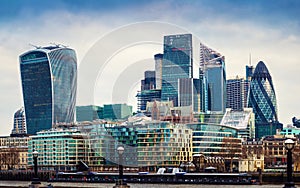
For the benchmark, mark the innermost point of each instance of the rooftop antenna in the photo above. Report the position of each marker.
(58, 45)
(53, 43)
(37, 47)
(64, 46)
(250, 59)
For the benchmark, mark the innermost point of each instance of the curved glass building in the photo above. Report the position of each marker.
(49, 83)
(262, 99)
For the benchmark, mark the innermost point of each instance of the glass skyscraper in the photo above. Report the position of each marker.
(49, 83)
(212, 64)
(262, 99)
(189, 93)
(177, 63)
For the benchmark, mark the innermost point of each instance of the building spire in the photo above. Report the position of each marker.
(250, 59)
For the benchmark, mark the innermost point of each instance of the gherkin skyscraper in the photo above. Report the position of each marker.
(262, 99)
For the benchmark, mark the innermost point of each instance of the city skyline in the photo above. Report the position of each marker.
(248, 28)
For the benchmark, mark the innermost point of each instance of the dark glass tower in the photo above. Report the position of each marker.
(262, 99)
(49, 83)
(177, 63)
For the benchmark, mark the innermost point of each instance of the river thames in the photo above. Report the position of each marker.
(101, 185)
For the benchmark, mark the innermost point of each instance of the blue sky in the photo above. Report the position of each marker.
(248, 9)
(269, 30)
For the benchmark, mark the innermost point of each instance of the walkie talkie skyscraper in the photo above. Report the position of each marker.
(49, 83)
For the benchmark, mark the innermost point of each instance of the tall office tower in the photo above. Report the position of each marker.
(148, 92)
(236, 98)
(19, 123)
(249, 72)
(212, 64)
(49, 83)
(149, 81)
(262, 99)
(189, 93)
(177, 63)
(203, 91)
(158, 69)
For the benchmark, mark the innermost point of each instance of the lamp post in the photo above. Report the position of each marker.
(120, 150)
(289, 145)
(120, 183)
(35, 181)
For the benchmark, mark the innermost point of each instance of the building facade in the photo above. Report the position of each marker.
(147, 96)
(177, 63)
(148, 92)
(158, 70)
(19, 123)
(236, 94)
(252, 158)
(59, 149)
(212, 64)
(274, 151)
(147, 144)
(89, 113)
(49, 83)
(290, 131)
(101, 143)
(262, 99)
(116, 111)
(163, 144)
(243, 121)
(203, 92)
(189, 93)
(249, 72)
(13, 153)
(149, 81)
(217, 140)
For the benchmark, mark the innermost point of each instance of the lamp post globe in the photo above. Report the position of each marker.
(120, 183)
(35, 180)
(289, 145)
(120, 150)
(35, 154)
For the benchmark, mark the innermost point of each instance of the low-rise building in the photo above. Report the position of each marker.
(89, 113)
(242, 120)
(215, 140)
(163, 144)
(290, 131)
(116, 111)
(13, 152)
(59, 149)
(251, 164)
(274, 150)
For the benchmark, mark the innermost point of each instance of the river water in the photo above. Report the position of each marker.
(101, 185)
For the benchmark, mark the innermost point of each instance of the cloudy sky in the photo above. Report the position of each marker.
(115, 42)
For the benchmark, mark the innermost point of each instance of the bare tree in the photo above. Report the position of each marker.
(9, 157)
